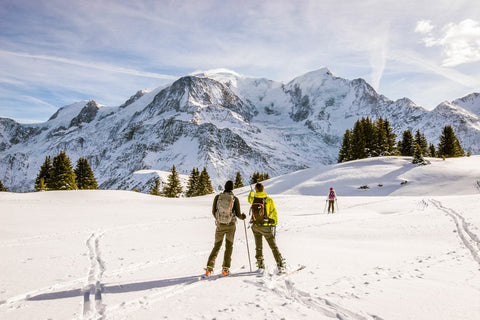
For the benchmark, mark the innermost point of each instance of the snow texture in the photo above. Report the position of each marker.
(397, 250)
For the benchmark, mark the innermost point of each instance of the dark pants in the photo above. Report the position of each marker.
(331, 204)
(227, 231)
(259, 232)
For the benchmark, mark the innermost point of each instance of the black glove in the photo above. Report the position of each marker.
(243, 216)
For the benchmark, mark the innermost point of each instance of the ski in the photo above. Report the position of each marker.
(288, 273)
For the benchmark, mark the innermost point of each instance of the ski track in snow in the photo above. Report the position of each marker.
(154, 296)
(91, 282)
(95, 274)
(284, 287)
(470, 239)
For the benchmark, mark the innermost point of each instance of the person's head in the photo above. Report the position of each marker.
(229, 185)
(259, 187)
(331, 189)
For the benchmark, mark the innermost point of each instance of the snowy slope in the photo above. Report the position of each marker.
(410, 256)
(470, 102)
(222, 121)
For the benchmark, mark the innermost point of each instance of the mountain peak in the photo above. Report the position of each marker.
(217, 74)
(470, 102)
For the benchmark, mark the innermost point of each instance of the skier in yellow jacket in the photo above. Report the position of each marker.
(264, 220)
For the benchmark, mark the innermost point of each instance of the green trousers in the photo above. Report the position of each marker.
(331, 205)
(227, 231)
(259, 232)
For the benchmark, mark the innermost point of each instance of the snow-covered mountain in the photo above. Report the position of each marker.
(222, 121)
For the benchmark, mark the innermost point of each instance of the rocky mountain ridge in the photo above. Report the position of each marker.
(222, 121)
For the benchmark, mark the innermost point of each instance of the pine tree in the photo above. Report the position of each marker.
(259, 177)
(238, 181)
(391, 138)
(432, 150)
(62, 176)
(155, 188)
(449, 145)
(204, 183)
(422, 142)
(358, 142)
(345, 153)
(369, 136)
(43, 177)
(173, 188)
(407, 146)
(2, 187)
(418, 155)
(255, 177)
(42, 186)
(192, 187)
(84, 176)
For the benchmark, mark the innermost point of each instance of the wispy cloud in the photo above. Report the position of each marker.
(60, 51)
(98, 66)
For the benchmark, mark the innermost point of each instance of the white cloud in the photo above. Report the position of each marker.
(460, 43)
(424, 26)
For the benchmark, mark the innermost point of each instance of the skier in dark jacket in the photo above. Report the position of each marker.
(226, 230)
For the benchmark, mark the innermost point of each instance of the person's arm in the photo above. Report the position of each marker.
(214, 206)
(236, 208)
(251, 196)
(271, 210)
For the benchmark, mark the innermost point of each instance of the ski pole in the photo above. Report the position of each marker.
(325, 209)
(336, 201)
(248, 250)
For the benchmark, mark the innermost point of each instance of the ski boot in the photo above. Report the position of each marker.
(260, 264)
(225, 271)
(281, 266)
(208, 272)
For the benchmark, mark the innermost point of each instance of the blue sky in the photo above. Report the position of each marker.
(56, 52)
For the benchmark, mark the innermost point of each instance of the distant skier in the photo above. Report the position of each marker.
(264, 221)
(332, 196)
(225, 209)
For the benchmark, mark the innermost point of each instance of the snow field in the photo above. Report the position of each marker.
(378, 257)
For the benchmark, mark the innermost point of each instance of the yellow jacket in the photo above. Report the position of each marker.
(269, 206)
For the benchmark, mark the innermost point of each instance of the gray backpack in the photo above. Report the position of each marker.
(224, 213)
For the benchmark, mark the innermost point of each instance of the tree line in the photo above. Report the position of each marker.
(199, 183)
(370, 138)
(59, 174)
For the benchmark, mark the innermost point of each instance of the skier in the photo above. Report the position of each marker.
(264, 221)
(225, 209)
(331, 198)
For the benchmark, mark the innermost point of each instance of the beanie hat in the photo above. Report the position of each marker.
(331, 188)
(229, 185)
